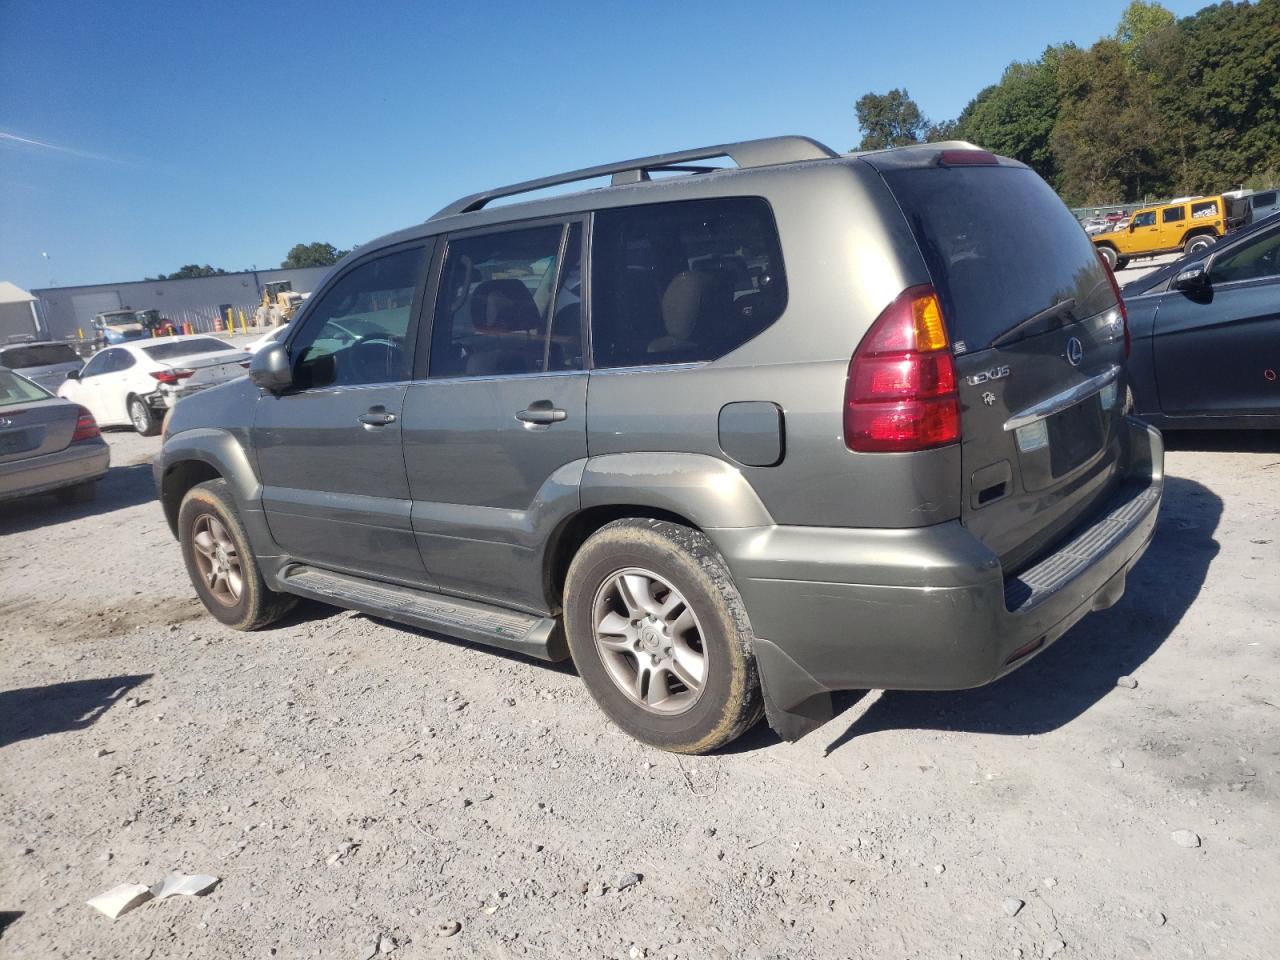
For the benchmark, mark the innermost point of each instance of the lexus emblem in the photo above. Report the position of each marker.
(1075, 351)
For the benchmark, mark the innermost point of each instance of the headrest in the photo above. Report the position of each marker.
(501, 306)
(692, 296)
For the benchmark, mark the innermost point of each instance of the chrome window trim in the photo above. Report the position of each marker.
(1060, 401)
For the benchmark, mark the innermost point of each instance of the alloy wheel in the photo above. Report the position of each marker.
(217, 559)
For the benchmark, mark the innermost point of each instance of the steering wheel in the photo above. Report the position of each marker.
(374, 358)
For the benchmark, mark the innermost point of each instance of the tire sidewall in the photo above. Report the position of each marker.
(149, 422)
(211, 498)
(727, 661)
(1109, 255)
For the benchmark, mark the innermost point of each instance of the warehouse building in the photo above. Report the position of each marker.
(18, 317)
(201, 302)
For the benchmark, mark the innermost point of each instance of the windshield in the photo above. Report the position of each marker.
(37, 355)
(118, 319)
(184, 348)
(15, 389)
(1000, 247)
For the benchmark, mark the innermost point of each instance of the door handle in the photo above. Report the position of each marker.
(377, 418)
(542, 413)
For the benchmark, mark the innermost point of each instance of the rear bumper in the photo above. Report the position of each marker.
(929, 608)
(87, 460)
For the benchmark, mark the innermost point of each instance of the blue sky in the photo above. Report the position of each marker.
(224, 133)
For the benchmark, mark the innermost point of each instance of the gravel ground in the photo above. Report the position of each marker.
(360, 787)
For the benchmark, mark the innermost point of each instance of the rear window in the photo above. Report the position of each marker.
(684, 281)
(38, 355)
(15, 389)
(1000, 247)
(185, 348)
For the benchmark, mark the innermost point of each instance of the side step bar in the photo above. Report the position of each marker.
(534, 636)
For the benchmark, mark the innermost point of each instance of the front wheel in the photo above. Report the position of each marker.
(220, 562)
(660, 637)
(143, 418)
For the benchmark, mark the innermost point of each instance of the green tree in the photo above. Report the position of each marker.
(1139, 21)
(313, 255)
(190, 271)
(890, 119)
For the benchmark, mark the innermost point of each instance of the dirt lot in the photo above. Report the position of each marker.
(356, 784)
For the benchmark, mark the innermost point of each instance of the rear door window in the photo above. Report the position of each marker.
(1174, 214)
(37, 355)
(1001, 248)
(683, 282)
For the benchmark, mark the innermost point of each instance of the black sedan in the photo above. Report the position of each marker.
(47, 445)
(1206, 335)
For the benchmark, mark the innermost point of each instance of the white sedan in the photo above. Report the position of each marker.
(133, 384)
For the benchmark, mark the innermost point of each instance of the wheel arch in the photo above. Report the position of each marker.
(195, 456)
(1199, 232)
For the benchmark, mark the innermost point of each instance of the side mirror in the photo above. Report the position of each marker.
(73, 374)
(1132, 226)
(269, 368)
(1191, 279)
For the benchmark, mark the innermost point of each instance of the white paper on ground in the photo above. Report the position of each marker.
(121, 899)
(183, 884)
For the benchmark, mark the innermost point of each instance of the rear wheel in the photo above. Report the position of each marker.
(143, 418)
(1108, 254)
(660, 637)
(220, 563)
(1201, 242)
(1121, 263)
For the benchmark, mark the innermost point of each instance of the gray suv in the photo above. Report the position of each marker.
(732, 438)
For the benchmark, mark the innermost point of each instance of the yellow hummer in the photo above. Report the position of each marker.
(1187, 224)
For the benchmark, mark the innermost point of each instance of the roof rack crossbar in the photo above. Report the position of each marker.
(748, 153)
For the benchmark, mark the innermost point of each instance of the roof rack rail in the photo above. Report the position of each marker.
(748, 153)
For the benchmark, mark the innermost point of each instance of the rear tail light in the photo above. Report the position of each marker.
(86, 427)
(1124, 314)
(171, 376)
(901, 391)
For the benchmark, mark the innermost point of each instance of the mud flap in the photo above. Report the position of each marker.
(795, 704)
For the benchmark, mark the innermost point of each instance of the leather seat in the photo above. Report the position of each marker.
(501, 311)
(696, 307)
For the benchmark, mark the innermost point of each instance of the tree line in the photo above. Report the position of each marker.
(1161, 107)
(300, 255)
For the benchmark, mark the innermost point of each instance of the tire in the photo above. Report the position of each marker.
(1108, 254)
(1121, 263)
(143, 418)
(81, 493)
(213, 539)
(708, 626)
(1198, 242)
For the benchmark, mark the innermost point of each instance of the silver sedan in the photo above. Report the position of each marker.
(47, 445)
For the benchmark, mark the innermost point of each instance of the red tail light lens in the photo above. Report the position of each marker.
(86, 427)
(901, 391)
(171, 376)
(968, 158)
(1124, 314)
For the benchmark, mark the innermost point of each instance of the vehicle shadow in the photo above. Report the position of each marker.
(1224, 441)
(124, 486)
(33, 712)
(7, 917)
(1083, 666)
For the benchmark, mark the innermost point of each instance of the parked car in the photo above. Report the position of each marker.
(271, 336)
(46, 362)
(118, 326)
(1188, 224)
(135, 383)
(1206, 335)
(814, 424)
(47, 445)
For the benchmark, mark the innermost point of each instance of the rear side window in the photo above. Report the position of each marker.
(683, 282)
(1203, 209)
(1174, 214)
(1000, 247)
(41, 355)
(185, 348)
(1264, 199)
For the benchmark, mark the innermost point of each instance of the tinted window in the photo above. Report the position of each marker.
(1255, 260)
(1263, 199)
(682, 282)
(98, 364)
(1147, 219)
(358, 331)
(505, 306)
(15, 389)
(1000, 247)
(185, 348)
(1174, 213)
(41, 355)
